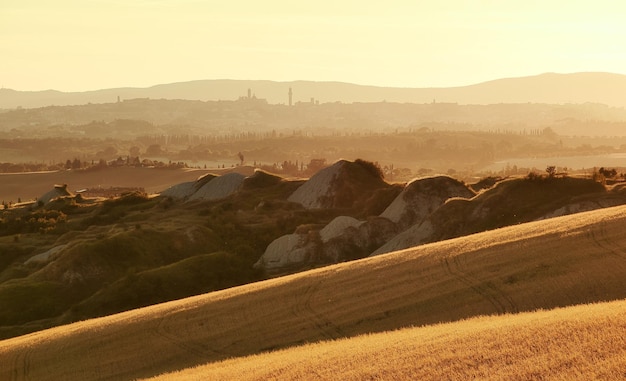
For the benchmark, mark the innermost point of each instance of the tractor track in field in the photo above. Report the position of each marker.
(164, 331)
(500, 301)
(598, 235)
(302, 308)
(21, 366)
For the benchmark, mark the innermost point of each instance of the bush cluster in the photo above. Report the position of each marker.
(42, 221)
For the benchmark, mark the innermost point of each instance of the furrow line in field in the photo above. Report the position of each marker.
(302, 308)
(163, 330)
(21, 365)
(615, 248)
(599, 237)
(333, 330)
(504, 299)
(454, 270)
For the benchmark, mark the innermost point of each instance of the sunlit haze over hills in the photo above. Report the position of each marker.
(213, 189)
(73, 45)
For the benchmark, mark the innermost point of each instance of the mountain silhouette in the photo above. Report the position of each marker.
(604, 88)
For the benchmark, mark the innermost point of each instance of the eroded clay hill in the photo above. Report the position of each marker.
(509, 202)
(430, 210)
(421, 197)
(344, 184)
(347, 238)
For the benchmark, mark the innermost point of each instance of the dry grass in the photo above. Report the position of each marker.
(559, 262)
(576, 343)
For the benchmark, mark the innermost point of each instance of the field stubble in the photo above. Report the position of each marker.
(576, 343)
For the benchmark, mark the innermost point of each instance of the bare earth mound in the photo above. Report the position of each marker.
(545, 264)
(206, 187)
(342, 185)
(421, 197)
(219, 187)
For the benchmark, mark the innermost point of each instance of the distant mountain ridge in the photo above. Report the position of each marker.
(553, 88)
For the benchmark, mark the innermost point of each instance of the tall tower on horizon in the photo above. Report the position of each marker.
(290, 96)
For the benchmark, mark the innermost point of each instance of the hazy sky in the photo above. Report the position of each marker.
(75, 45)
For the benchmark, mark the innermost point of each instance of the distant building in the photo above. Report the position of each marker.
(290, 97)
(251, 98)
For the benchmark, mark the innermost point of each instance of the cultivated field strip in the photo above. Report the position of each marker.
(21, 365)
(500, 301)
(583, 342)
(302, 310)
(563, 261)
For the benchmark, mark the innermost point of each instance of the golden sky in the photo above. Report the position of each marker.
(77, 45)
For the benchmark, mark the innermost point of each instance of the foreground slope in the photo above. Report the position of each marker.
(558, 262)
(583, 342)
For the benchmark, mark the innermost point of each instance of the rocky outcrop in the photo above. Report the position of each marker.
(413, 236)
(423, 196)
(286, 252)
(347, 238)
(358, 240)
(337, 227)
(56, 192)
(219, 187)
(180, 191)
(342, 185)
(375, 232)
(207, 187)
(344, 238)
(46, 256)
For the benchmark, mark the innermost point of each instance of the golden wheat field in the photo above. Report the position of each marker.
(584, 342)
(564, 261)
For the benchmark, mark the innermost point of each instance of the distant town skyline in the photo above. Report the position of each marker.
(81, 45)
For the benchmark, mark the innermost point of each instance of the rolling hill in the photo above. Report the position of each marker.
(575, 343)
(86, 256)
(605, 88)
(559, 262)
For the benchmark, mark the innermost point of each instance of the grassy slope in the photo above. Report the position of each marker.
(559, 262)
(133, 251)
(584, 342)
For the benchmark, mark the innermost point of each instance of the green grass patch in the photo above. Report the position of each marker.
(191, 276)
(26, 300)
